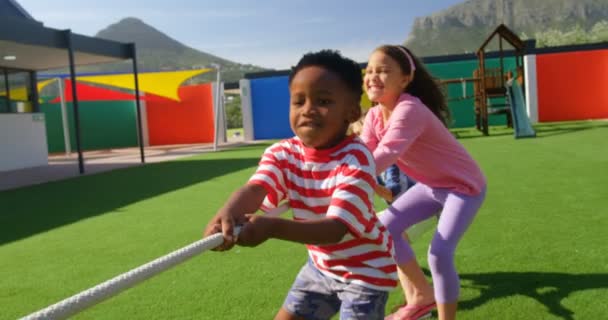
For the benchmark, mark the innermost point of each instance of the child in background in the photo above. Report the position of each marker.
(396, 181)
(328, 178)
(408, 127)
(392, 182)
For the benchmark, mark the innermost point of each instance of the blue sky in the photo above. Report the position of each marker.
(267, 33)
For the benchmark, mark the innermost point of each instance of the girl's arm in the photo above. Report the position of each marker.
(367, 134)
(404, 127)
(384, 192)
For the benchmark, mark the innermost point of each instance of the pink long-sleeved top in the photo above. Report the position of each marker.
(422, 147)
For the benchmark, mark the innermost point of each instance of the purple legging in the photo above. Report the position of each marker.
(420, 203)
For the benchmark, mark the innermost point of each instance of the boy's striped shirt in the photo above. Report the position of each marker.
(336, 183)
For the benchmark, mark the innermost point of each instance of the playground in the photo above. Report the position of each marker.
(536, 243)
(110, 171)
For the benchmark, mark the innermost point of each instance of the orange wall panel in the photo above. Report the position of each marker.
(572, 85)
(187, 121)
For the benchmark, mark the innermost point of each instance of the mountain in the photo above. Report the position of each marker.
(463, 27)
(158, 51)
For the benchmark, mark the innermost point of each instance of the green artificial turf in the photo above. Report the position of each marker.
(537, 249)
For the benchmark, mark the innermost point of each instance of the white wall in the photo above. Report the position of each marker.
(22, 141)
(144, 119)
(246, 112)
(219, 112)
(531, 87)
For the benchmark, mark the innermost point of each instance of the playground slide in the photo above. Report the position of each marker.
(522, 128)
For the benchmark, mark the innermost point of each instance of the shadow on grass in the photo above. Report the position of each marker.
(32, 210)
(472, 133)
(551, 129)
(542, 129)
(548, 288)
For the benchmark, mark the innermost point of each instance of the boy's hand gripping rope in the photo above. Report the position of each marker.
(85, 299)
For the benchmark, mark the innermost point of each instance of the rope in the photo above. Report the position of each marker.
(105, 290)
(85, 299)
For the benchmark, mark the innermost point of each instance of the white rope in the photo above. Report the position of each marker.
(94, 295)
(85, 299)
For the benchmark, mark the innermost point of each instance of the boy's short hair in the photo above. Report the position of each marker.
(346, 69)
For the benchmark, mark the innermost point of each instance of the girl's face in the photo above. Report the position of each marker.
(321, 107)
(384, 79)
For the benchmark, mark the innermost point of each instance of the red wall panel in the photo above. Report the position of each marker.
(187, 121)
(572, 85)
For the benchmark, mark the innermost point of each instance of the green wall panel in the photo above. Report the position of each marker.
(463, 114)
(103, 125)
(3, 107)
(54, 129)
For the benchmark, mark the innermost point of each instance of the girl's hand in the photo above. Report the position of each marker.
(384, 192)
(256, 230)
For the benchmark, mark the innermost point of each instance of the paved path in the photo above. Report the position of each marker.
(63, 166)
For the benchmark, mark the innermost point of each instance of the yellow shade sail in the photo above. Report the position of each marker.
(365, 102)
(21, 92)
(164, 84)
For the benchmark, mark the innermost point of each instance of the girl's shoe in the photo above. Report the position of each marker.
(412, 312)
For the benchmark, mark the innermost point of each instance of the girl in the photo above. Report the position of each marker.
(408, 126)
(392, 182)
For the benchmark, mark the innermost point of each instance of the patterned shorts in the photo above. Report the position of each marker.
(316, 296)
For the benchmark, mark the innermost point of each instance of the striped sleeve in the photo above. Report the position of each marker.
(270, 176)
(352, 199)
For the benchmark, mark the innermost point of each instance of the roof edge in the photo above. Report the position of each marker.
(21, 10)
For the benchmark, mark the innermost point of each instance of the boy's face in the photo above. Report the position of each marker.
(321, 107)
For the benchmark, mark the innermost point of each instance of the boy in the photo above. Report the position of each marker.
(328, 178)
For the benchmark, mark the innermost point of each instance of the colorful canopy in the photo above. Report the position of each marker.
(155, 84)
(164, 84)
(92, 93)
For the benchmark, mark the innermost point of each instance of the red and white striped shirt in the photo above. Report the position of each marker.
(335, 183)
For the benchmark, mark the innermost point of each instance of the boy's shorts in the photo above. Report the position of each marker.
(316, 296)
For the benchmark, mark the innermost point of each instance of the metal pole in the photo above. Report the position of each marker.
(502, 64)
(68, 35)
(64, 118)
(223, 113)
(216, 104)
(33, 96)
(484, 97)
(464, 87)
(7, 88)
(140, 136)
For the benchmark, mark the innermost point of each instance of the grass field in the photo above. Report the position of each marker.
(230, 133)
(537, 249)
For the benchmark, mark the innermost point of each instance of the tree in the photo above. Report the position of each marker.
(599, 32)
(234, 118)
(576, 35)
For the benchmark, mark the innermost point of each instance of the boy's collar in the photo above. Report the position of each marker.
(325, 154)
